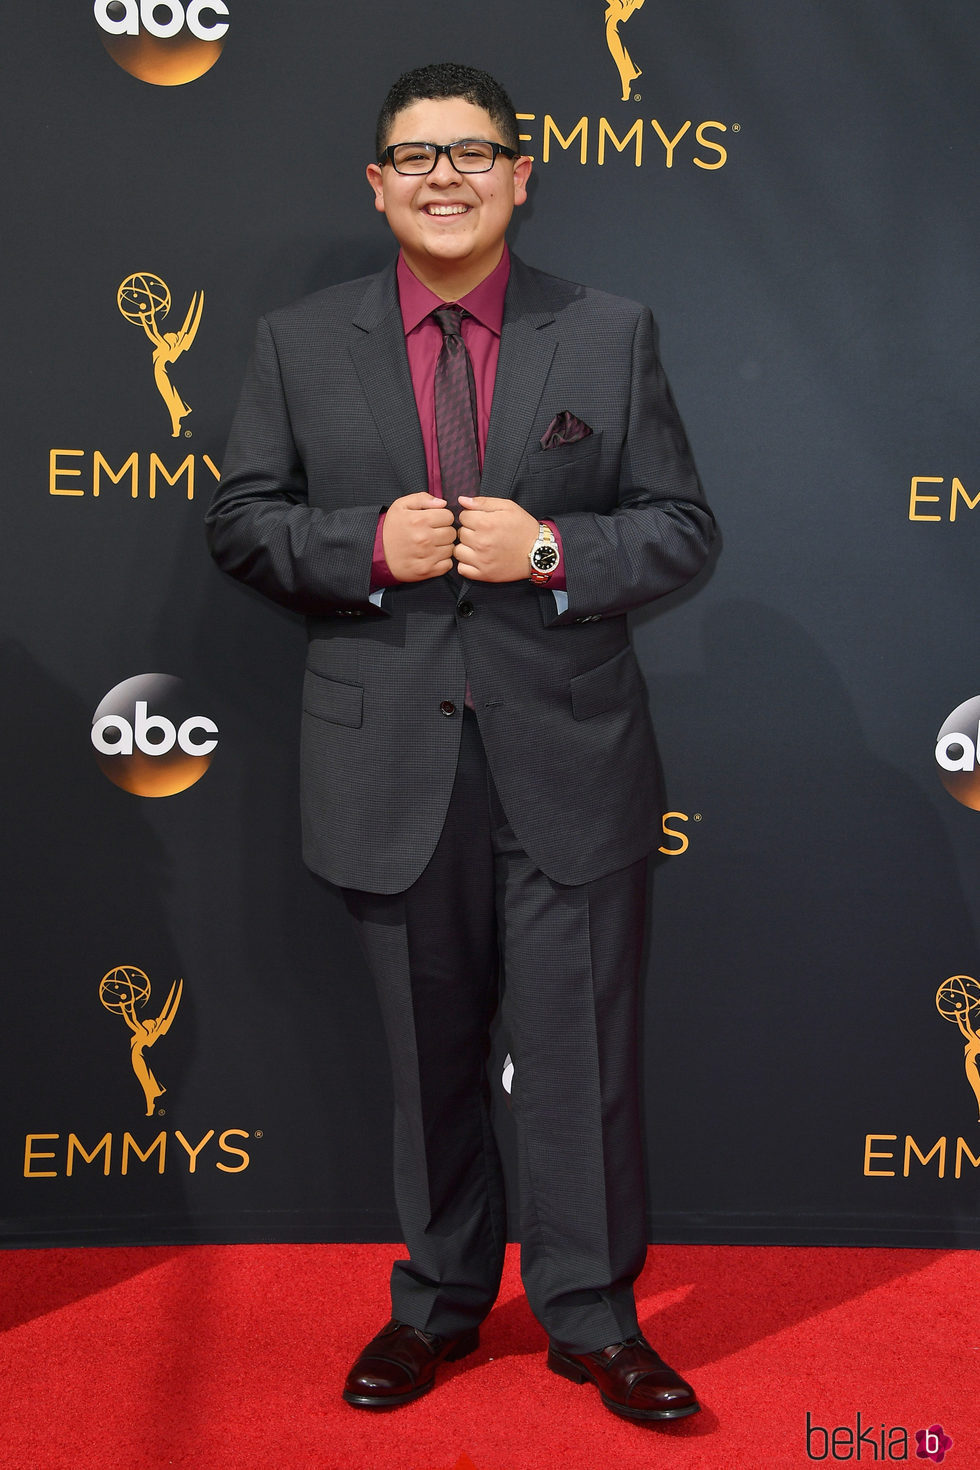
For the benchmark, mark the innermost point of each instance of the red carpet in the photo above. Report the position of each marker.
(220, 1357)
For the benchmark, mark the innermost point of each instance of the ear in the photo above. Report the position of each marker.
(376, 179)
(522, 172)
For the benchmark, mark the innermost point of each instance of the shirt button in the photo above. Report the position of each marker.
(466, 609)
(447, 707)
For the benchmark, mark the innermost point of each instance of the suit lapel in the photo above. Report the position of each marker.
(378, 352)
(526, 350)
(381, 363)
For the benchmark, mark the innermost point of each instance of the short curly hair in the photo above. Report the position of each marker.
(443, 79)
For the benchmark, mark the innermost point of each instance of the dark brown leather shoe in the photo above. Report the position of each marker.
(400, 1365)
(633, 1381)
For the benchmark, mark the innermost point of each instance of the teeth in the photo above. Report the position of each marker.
(446, 209)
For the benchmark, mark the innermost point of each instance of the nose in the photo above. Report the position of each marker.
(443, 173)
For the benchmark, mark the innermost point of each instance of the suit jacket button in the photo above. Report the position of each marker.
(466, 609)
(447, 707)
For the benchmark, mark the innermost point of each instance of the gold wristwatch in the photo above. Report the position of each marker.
(544, 556)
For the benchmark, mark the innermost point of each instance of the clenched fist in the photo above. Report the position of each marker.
(495, 539)
(418, 537)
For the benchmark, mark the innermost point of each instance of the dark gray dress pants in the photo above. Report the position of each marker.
(481, 921)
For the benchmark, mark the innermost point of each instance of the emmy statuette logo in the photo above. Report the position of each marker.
(890, 1155)
(124, 991)
(144, 300)
(677, 142)
(958, 1001)
(163, 41)
(147, 1150)
(618, 13)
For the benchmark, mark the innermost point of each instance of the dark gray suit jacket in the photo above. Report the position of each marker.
(326, 434)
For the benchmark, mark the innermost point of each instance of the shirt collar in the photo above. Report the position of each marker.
(485, 301)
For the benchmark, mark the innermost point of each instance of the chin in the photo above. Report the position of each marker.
(449, 249)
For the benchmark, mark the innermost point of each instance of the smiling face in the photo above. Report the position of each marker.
(450, 226)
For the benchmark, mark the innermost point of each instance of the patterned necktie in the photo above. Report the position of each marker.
(455, 396)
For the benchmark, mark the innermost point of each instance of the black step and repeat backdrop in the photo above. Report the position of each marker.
(191, 1049)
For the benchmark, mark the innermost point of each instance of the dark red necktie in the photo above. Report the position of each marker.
(455, 396)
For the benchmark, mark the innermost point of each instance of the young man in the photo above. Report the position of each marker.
(466, 473)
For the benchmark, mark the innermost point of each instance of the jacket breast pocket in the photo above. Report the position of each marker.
(606, 686)
(329, 699)
(565, 456)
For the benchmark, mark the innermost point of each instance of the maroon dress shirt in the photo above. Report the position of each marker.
(423, 343)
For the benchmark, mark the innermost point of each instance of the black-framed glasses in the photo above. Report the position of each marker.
(468, 156)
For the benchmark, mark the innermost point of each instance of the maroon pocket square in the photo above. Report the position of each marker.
(564, 428)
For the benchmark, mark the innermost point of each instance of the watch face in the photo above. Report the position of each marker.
(544, 559)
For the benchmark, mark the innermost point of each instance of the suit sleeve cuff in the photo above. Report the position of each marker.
(381, 576)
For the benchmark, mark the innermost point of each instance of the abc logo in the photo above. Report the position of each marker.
(147, 738)
(163, 41)
(956, 753)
